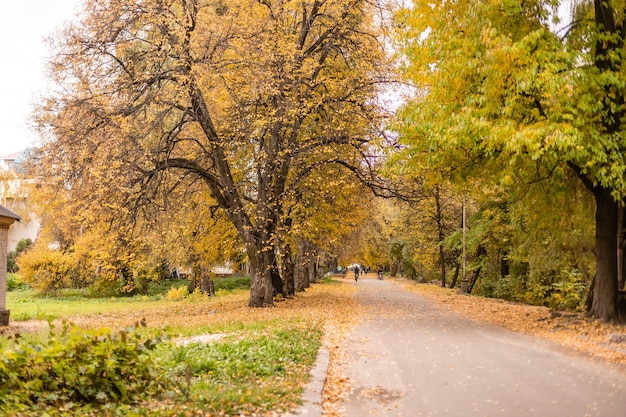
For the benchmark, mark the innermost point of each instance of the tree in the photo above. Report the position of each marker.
(22, 246)
(499, 93)
(159, 94)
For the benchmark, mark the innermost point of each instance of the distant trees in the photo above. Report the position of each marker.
(246, 100)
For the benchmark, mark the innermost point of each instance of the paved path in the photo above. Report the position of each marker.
(409, 358)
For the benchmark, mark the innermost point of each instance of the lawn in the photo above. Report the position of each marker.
(257, 364)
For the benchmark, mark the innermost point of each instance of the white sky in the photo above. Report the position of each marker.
(24, 26)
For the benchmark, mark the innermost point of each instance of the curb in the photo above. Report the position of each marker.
(312, 396)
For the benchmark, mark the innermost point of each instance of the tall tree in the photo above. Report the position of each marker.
(159, 93)
(500, 93)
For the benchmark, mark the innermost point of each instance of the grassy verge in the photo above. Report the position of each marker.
(257, 366)
(27, 304)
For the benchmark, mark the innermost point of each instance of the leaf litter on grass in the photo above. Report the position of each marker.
(329, 306)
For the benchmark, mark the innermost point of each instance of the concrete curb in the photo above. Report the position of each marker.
(312, 396)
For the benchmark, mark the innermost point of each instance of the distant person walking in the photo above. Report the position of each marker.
(356, 272)
(380, 272)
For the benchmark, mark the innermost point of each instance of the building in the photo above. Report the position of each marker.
(14, 196)
(7, 218)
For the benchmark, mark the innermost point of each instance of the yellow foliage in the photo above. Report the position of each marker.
(45, 269)
(177, 294)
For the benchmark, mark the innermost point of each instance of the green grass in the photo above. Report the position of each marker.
(246, 375)
(260, 365)
(28, 304)
(258, 369)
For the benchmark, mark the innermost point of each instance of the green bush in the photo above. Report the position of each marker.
(15, 283)
(231, 283)
(562, 290)
(569, 293)
(22, 246)
(74, 369)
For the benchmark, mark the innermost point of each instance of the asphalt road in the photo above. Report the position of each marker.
(409, 358)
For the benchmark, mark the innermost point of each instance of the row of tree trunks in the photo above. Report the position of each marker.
(279, 272)
(304, 271)
(201, 279)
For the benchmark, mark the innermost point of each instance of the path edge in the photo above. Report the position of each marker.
(313, 391)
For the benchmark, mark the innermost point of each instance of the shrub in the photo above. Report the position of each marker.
(75, 368)
(177, 294)
(46, 270)
(15, 283)
(569, 293)
(231, 283)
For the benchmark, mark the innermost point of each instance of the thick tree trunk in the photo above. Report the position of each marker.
(211, 287)
(261, 288)
(299, 273)
(604, 302)
(277, 281)
(287, 270)
(206, 282)
(305, 265)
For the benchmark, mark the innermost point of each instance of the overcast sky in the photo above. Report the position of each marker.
(24, 26)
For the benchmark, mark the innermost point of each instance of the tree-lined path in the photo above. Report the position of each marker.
(407, 357)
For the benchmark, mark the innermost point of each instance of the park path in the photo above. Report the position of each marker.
(407, 357)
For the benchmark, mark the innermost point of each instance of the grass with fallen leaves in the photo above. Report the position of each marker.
(257, 366)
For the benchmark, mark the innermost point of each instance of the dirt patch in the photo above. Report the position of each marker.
(21, 327)
(203, 338)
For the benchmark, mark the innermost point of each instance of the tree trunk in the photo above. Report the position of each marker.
(504, 264)
(312, 272)
(205, 280)
(620, 248)
(211, 287)
(305, 265)
(277, 281)
(440, 236)
(287, 270)
(456, 275)
(480, 253)
(604, 302)
(298, 273)
(261, 288)
(301, 268)
(442, 262)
